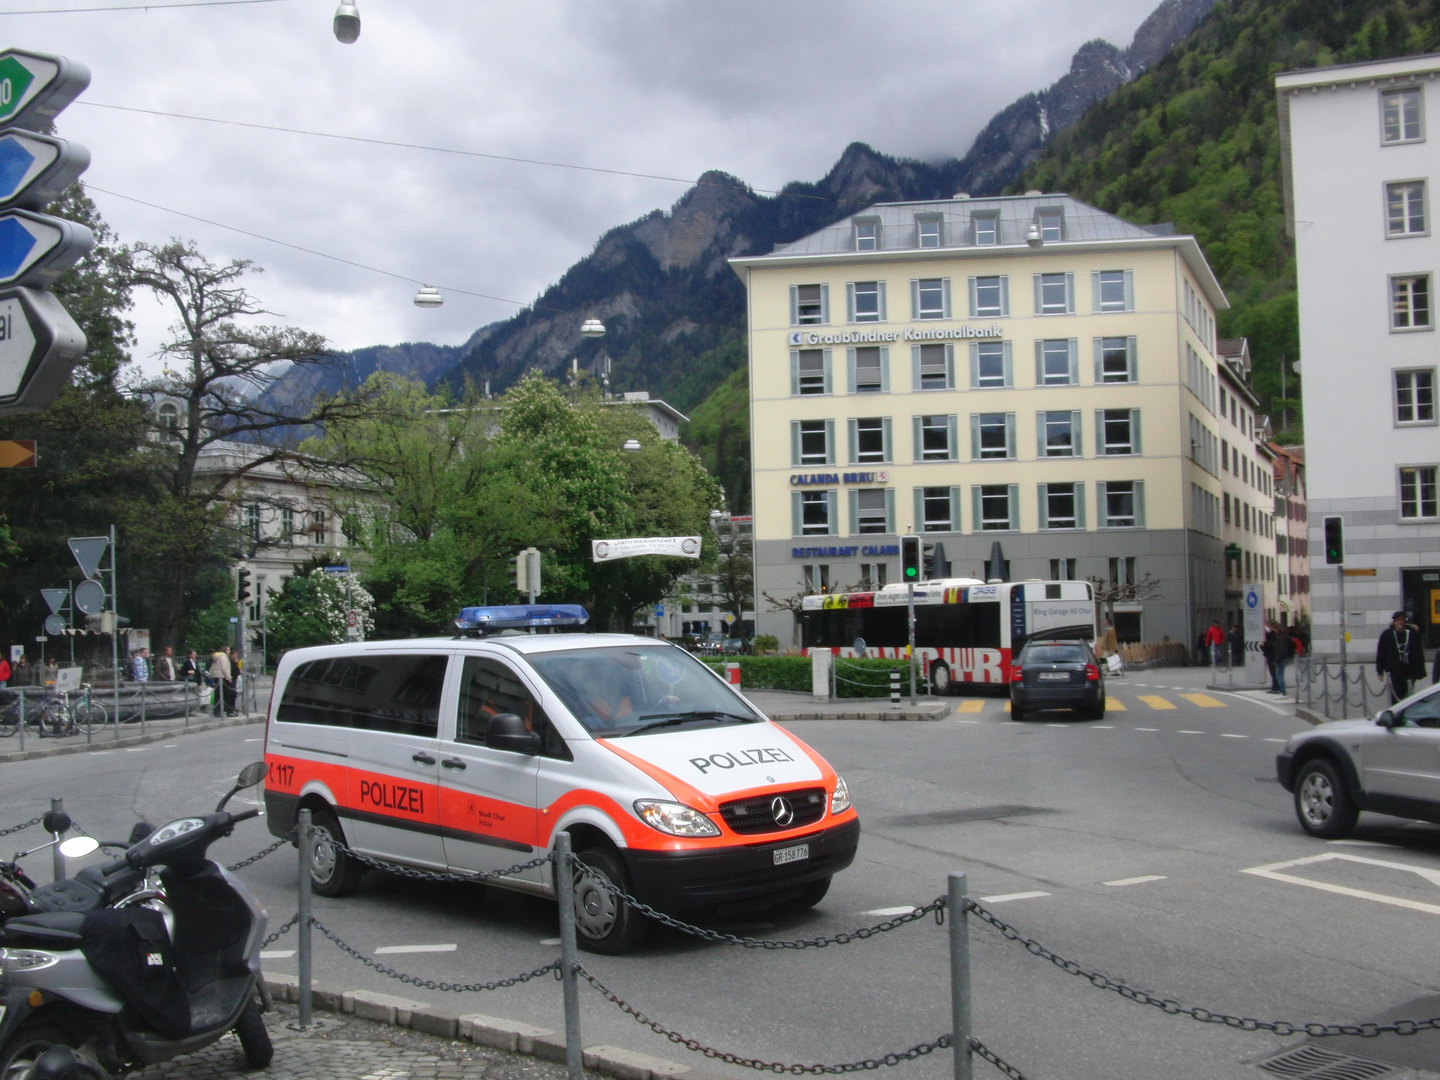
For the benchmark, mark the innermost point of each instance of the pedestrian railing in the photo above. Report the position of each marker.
(1339, 691)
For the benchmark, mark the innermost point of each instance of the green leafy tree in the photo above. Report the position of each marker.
(312, 609)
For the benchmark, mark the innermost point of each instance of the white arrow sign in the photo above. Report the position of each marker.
(39, 344)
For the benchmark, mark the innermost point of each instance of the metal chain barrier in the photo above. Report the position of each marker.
(22, 825)
(995, 1059)
(278, 934)
(276, 846)
(432, 984)
(698, 1047)
(1283, 1028)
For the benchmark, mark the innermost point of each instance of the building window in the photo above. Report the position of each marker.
(1057, 362)
(1405, 208)
(927, 232)
(252, 521)
(1415, 396)
(866, 301)
(869, 369)
(1115, 360)
(996, 501)
(867, 235)
(1227, 509)
(1410, 302)
(1119, 431)
(1122, 502)
(809, 305)
(870, 440)
(817, 578)
(1062, 570)
(810, 371)
(939, 509)
(1062, 506)
(931, 298)
(935, 438)
(1122, 572)
(168, 420)
(1059, 433)
(1417, 492)
(1400, 116)
(992, 436)
(811, 442)
(814, 512)
(872, 510)
(934, 367)
(987, 228)
(990, 366)
(287, 524)
(1052, 225)
(1114, 290)
(989, 297)
(1054, 294)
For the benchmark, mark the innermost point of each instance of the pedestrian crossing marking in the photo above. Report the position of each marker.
(1114, 704)
(971, 706)
(1155, 701)
(1205, 701)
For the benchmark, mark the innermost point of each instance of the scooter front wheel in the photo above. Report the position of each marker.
(31, 1040)
(254, 1039)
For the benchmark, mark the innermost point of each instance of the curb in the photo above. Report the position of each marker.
(920, 713)
(107, 742)
(492, 1031)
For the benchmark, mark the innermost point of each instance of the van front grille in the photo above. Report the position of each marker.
(758, 814)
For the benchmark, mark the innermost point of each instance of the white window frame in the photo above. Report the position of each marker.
(1103, 446)
(927, 497)
(949, 424)
(1068, 307)
(859, 517)
(1000, 310)
(1425, 476)
(1131, 363)
(886, 441)
(991, 236)
(1050, 221)
(853, 370)
(799, 500)
(919, 314)
(824, 313)
(1403, 306)
(1399, 95)
(1411, 375)
(1066, 419)
(1126, 280)
(1137, 504)
(798, 431)
(852, 291)
(938, 223)
(978, 496)
(866, 234)
(1074, 523)
(978, 425)
(1398, 195)
(1045, 347)
(917, 352)
(1007, 365)
(797, 389)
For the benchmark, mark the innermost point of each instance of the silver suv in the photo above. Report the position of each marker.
(1390, 765)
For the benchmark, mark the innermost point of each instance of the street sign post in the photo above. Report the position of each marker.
(36, 169)
(35, 249)
(39, 344)
(34, 87)
(17, 453)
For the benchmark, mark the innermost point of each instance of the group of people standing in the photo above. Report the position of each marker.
(221, 672)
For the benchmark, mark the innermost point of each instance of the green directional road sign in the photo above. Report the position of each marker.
(39, 344)
(34, 87)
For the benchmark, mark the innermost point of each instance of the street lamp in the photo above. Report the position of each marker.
(595, 329)
(347, 22)
(632, 446)
(428, 296)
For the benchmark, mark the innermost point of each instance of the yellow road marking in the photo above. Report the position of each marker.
(1007, 706)
(1156, 702)
(1114, 704)
(973, 705)
(1205, 701)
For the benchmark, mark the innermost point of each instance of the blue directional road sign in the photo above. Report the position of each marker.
(35, 249)
(35, 169)
(34, 87)
(39, 344)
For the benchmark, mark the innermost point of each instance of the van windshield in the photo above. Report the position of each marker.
(636, 689)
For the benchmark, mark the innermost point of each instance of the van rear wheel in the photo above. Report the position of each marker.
(333, 871)
(604, 922)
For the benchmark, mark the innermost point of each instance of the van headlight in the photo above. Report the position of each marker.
(840, 798)
(674, 819)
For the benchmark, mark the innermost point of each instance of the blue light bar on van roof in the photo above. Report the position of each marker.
(521, 616)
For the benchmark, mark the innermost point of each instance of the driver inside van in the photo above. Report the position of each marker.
(605, 691)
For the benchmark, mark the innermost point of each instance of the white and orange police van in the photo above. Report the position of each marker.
(474, 753)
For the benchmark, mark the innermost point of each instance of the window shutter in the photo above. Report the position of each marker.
(884, 369)
(949, 365)
(1044, 491)
(849, 301)
(974, 435)
(1099, 432)
(1037, 294)
(1095, 290)
(974, 300)
(955, 509)
(829, 382)
(976, 516)
(1014, 505)
(850, 371)
(1080, 505)
(974, 364)
(952, 437)
(1077, 434)
(1004, 294)
(1069, 293)
(1129, 290)
(795, 513)
(1099, 361)
(794, 442)
(890, 510)
(1074, 362)
(794, 305)
(914, 298)
(854, 500)
(914, 367)
(829, 442)
(880, 298)
(887, 438)
(1135, 431)
(1010, 434)
(1040, 448)
(853, 431)
(825, 306)
(794, 371)
(919, 446)
(1009, 362)
(919, 518)
(1131, 359)
(832, 503)
(1039, 362)
(1102, 504)
(1140, 504)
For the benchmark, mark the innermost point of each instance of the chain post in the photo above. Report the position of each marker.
(142, 708)
(185, 692)
(565, 893)
(960, 977)
(57, 806)
(22, 720)
(306, 844)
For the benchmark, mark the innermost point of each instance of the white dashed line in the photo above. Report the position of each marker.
(277, 954)
(1102, 727)
(1147, 729)
(392, 949)
(253, 740)
(1184, 731)
(549, 941)
(1362, 843)
(1012, 896)
(1227, 736)
(171, 745)
(134, 749)
(1276, 740)
(967, 721)
(1135, 880)
(886, 912)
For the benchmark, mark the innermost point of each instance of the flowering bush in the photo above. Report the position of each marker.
(313, 609)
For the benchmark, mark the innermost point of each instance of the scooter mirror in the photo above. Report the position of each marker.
(77, 847)
(252, 774)
(55, 822)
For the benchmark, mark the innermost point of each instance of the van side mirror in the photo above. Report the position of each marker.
(506, 731)
(1386, 719)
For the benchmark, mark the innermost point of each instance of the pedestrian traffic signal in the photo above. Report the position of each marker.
(244, 585)
(910, 559)
(1334, 540)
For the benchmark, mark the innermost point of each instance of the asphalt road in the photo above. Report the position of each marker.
(1123, 844)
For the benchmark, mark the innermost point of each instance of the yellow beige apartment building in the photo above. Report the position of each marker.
(1028, 369)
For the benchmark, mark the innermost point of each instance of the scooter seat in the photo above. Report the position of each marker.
(50, 927)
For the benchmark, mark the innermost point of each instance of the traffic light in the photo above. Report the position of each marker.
(910, 559)
(1334, 540)
(244, 585)
(527, 571)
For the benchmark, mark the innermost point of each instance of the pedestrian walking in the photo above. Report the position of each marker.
(1399, 656)
(1237, 645)
(140, 665)
(224, 681)
(1279, 648)
(4, 673)
(1215, 642)
(165, 666)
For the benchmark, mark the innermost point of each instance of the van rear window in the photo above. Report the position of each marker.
(372, 692)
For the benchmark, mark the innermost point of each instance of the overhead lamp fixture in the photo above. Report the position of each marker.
(1032, 235)
(428, 296)
(592, 328)
(632, 446)
(347, 22)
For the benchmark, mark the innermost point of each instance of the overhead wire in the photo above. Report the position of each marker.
(139, 7)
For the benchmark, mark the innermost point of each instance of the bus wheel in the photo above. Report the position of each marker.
(940, 679)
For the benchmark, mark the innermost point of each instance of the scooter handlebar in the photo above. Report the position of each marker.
(245, 815)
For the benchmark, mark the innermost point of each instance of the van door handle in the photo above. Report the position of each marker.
(453, 763)
(423, 759)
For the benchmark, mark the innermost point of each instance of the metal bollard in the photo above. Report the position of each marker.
(306, 838)
(142, 709)
(959, 977)
(57, 806)
(569, 981)
(22, 721)
(895, 689)
(185, 693)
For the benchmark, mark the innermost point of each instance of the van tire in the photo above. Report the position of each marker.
(332, 872)
(603, 922)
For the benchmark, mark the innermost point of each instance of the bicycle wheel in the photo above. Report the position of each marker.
(90, 717)
(9, 721)
(54, 721)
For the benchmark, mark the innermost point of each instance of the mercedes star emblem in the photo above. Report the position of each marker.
(781, 810)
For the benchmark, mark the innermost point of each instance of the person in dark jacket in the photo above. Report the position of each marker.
(1399, 656)
(1278, 649)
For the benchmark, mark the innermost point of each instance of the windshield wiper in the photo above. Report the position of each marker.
(663, 720)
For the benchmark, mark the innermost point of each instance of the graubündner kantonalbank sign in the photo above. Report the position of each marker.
(881, 337)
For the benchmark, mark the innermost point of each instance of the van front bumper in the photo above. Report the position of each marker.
(684, 880)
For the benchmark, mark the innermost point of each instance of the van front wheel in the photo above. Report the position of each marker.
(333, 871)
(604, 922)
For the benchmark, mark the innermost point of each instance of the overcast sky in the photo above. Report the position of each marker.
(768, 90)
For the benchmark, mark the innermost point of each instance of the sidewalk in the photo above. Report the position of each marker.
(792, 705)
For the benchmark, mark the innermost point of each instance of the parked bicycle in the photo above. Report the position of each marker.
(59, 716)
(11, 710)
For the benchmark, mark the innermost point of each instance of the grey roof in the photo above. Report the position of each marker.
(1015, 214)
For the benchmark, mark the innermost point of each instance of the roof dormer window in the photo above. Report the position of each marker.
(927, 232)
(1052, 225)
(867, 235)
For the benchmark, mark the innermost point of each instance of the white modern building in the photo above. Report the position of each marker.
(1358, 158)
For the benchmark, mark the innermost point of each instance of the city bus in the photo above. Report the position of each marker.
(966, 631)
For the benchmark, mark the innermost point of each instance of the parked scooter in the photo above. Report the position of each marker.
(113, 989)
(19, 895)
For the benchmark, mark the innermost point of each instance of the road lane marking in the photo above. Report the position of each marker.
(1276, 740)
(1134, 880)
(1005, 897)
(1272, 870)
(134, 749)
(1155, 701)
(1254, 701)
(252, 740)
(394, 949)
(1007, 706)
(276, 954)
(1184, 731)
(1362, 843)
(1102, 727)
(973, 705)
(1225, 736)
(967, 721)
(886, 912)
(1205, 701)
(549, 941)
(1114, 704)
(1147, 729)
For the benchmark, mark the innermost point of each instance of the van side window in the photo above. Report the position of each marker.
(399, 693)
(488, 687)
